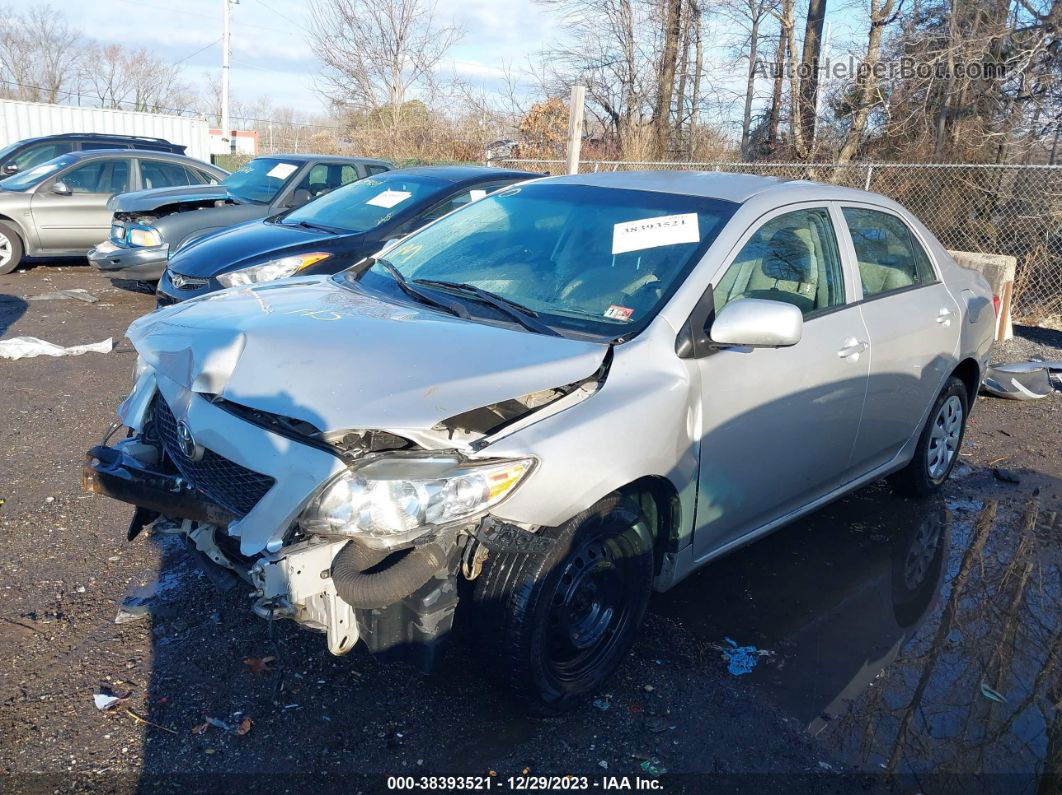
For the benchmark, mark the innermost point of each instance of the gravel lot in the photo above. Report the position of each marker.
(809, 708)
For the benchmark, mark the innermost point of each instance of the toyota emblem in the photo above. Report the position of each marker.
(185, 439)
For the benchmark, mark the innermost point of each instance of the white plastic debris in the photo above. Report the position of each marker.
(104, 701)
(28, 347)
(78, 293)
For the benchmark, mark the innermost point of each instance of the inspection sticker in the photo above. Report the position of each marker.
(389, 198)
(619, 312)
(282, 170)
(666, 230)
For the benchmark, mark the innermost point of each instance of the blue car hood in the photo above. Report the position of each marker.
(248, 244)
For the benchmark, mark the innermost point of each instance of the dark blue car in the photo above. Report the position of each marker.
(330, 233)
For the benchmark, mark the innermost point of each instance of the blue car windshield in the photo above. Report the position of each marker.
(368, 203)
(261, 179)
(591, 260)
(37, 174)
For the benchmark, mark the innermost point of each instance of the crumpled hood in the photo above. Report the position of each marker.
(341, 360)
(145, 200)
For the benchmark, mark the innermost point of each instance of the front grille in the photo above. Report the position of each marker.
(225, 482)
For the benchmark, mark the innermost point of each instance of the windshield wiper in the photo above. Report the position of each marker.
(317, 227)
(526, 317)
(448, 306)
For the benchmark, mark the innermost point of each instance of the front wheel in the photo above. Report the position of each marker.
(938, 446)
(557, 623)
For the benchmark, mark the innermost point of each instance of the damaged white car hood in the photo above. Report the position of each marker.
(342, 360)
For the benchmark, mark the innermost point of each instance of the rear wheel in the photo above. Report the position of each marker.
(11, 249)
(558, 622)
(938, 446)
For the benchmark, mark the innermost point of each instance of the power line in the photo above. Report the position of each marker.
(283, 16)
(201, 49)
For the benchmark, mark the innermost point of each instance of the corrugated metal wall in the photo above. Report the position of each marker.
(20, 120)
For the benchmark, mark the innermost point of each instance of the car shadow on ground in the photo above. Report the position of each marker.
(12, 307)
(1042, 336)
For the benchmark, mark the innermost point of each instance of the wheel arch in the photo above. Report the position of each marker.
(969, 372)
(659, 500)
(7, 219)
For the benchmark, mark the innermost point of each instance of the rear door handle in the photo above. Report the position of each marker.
(944, 316)
(852, 348)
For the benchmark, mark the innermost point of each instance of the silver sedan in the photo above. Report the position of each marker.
(546, 404)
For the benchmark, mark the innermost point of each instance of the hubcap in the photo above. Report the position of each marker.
(920, 555)
(944, 438)
(5, 249)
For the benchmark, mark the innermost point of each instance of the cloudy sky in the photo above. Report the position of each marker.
(272, 58)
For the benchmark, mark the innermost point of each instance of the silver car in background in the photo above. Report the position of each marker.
(59, 207)
(534, 411)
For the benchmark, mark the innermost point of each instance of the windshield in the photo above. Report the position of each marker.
(367, 203)
(37, 174)
(260, 180)
(592, 260)
(7, 150)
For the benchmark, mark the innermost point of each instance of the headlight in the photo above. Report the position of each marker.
(395, 499)
(146, 236)
(273, 269)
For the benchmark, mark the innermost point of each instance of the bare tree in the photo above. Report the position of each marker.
(752, 16)
(809, 82)
(39, 55)
(375, 52)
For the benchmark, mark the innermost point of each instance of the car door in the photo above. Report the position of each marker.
(80, 219)
(913, 323)
(778, 424)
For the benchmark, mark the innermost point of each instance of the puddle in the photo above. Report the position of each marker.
(910, 637)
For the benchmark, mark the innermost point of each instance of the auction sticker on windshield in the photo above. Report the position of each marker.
(619, 312)
(282, 170)
(666, 230)
(389, 198)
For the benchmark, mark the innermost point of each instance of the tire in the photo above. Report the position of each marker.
(555, 624)
(11, 249)
(939, 445)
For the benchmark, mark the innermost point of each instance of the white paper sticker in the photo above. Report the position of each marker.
(665, 230)
(389, 198)
(282, 170)
(477, 194)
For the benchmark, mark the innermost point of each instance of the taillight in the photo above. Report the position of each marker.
(995, 304)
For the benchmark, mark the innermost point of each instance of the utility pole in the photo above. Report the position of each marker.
(575, 127)
(226, 131)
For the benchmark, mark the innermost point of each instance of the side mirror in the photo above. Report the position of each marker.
(9, 169)
(756, 323)
(60, 188)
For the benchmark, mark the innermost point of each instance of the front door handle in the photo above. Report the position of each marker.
(852, 348)
(944, 316)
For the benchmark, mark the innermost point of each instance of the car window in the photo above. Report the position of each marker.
(594, 260)
(370, 170)
(889, 256)
(207, 177)
(791, 258)
(99, 176)
(367, 203)
(160, 174)
(325, 177)
(41, 153)
(261, 179)
(459, 200)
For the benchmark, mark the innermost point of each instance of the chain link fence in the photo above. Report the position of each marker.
(1012, 210)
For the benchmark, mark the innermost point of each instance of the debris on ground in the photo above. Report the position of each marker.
(657, 724)
(244, 727)
(1006, 475)
(1029, 380)
(602, 704)
(105, 701)
(653, 768)
(28, 347)
(992, 695)
(77, 293)
(740, 659)
(259, 665)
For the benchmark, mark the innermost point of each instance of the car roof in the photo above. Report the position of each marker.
(308, 158)
(738, 188)
(458, 174)
(88, 154)
(91, 136)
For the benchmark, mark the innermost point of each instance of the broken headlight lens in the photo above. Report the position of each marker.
(395, 499)
(273, 269)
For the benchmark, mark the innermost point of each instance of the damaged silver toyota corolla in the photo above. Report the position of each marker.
(540, 407)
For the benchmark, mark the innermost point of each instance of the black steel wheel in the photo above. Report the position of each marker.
(557, 622)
